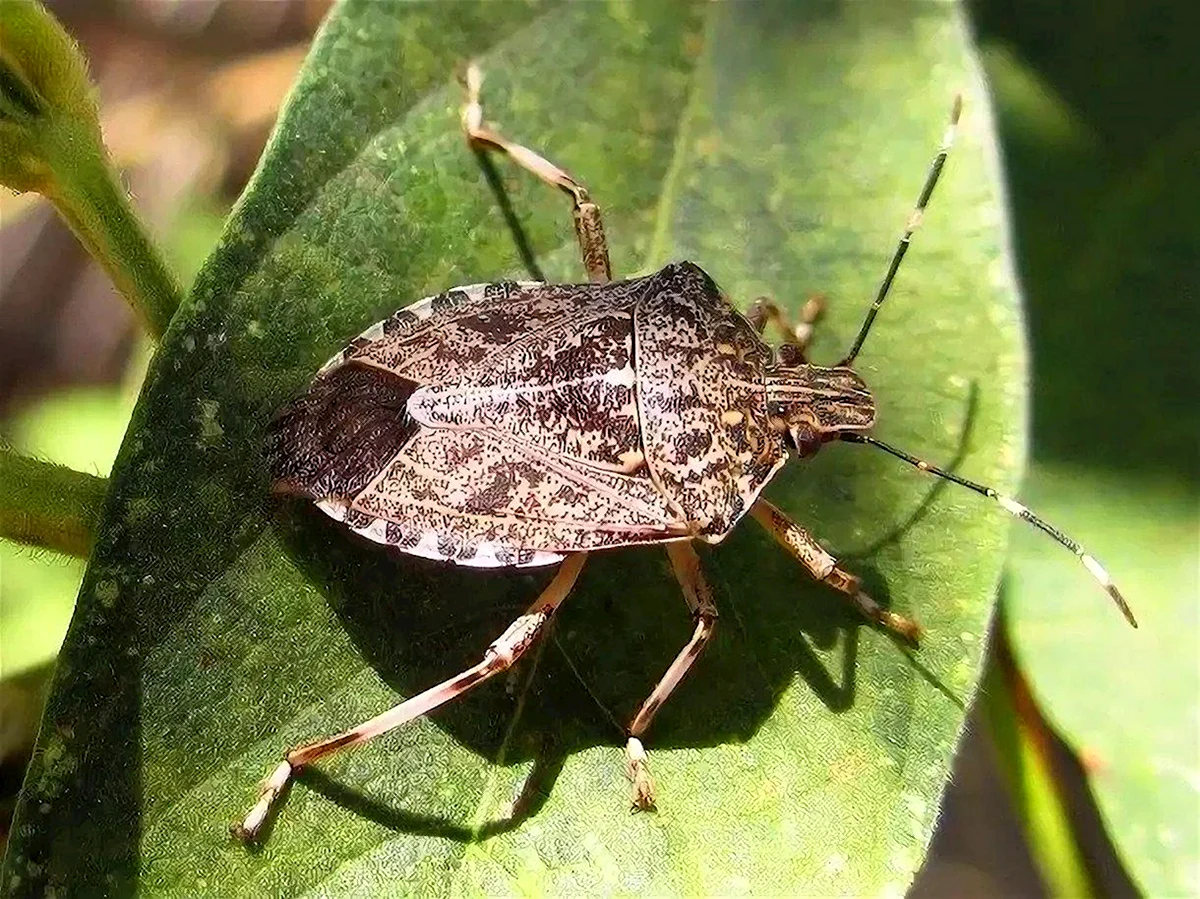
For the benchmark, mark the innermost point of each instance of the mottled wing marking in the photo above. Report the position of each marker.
(537, 402)
(412, 316)
(697, 361)
(568, 389)
(446, 338)
(332, 440)
(493, 328)
(432, 545)
(475, 489)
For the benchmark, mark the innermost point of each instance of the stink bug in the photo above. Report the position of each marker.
(525, 424)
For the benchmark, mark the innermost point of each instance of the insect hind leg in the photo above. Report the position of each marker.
(589, 228)
(499, 657)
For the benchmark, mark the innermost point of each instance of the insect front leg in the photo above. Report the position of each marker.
(698, 594)
(796, 337)
(766, 312)
(822, 566)
(498, 657)
(588, 225)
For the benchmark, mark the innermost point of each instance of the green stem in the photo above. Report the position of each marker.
(48, 505)
(88, 196)
(1025, 745)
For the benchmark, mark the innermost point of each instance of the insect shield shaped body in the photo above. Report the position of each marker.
(509, 424)
(523, 424)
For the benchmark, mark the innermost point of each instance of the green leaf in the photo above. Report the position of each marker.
(1109, 235)
(1121, 698)
(1026, 751)
(782, 147)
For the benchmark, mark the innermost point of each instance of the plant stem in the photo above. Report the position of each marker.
(1025, 745)
(87, 194)
(48, 505)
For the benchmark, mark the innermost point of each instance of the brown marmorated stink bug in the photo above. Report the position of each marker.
(525, 424)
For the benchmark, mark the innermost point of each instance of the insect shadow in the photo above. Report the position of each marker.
(417, 622)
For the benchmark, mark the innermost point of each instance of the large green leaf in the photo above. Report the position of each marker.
(1126, 701)
(1109, 234)
(779, 145)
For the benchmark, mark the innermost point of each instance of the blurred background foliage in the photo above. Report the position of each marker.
(1100, 142)
(1101, 134)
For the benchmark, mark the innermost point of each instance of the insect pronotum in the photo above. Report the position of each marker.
(523, 424)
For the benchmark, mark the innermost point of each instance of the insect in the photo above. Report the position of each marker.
(527, 424)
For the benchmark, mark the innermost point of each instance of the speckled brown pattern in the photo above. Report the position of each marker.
(703, 400)
(541, 419)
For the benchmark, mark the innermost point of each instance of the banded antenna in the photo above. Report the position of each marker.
(914, 222)
(1013, 508)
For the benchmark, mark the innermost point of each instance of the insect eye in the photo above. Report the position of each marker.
(805, 439)
(789, 354)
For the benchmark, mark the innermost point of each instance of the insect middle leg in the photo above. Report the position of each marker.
(822, 566)
(698, 595)
(498, 657)
(588, 226)
(796, 337)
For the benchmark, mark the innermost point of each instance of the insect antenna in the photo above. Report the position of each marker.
(914, 221)
(1013, 508)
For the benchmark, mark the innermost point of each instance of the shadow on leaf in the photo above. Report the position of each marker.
(418, 622)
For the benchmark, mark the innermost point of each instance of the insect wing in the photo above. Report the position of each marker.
(478, 497)
(567, 388)
(444, 339)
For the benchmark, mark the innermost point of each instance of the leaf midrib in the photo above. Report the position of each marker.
(667, 199)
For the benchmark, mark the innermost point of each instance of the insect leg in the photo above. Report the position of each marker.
(498, 657)
(698, 594)
(822, 566)
(796, 336)
(588, 226)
